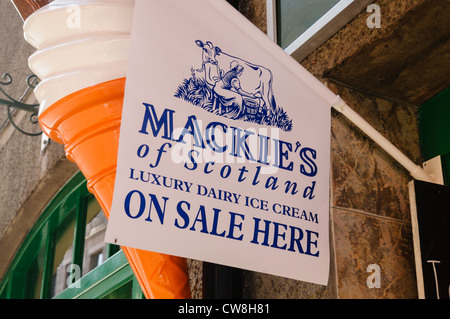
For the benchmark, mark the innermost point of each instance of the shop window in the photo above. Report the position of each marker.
(65, 256)
(295, 17)
(434, 131)
(300, 26)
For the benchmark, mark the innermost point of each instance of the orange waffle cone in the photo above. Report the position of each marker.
(87, 123)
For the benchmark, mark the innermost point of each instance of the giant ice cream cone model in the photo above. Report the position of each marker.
(81, 59)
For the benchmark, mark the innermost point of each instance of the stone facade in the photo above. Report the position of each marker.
(370, 214)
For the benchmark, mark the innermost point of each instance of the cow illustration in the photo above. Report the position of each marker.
(254, 79)
(232, 87)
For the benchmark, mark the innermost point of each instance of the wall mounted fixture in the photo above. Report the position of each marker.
(13, 104)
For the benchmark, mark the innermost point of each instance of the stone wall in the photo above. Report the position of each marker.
(29, 178)
(370, 214)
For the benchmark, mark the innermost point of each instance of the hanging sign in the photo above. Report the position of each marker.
(224, 149)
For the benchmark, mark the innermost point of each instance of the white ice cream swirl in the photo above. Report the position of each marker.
(80, 43)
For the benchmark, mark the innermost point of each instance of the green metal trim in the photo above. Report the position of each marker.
(101, 281)
(136, 292)
(79, 233)
(111, 250)
(445, 160)
(16, 280)
(46, 283)
(56, 211)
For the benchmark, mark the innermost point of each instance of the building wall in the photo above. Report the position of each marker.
(369, 214)
(28, 177)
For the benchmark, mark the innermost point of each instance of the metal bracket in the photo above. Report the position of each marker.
(434, 168)
(12, 103)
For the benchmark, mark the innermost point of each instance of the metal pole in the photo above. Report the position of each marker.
(415, 170)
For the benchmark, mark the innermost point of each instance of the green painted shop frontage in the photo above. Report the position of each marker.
(59, 244)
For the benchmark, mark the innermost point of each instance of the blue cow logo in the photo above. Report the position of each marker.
(233, 88)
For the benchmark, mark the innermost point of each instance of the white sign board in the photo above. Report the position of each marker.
(224, 151)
